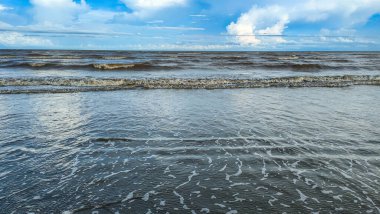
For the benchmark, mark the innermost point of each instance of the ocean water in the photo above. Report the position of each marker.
(271, 149)
(31, 71)
(102, 64)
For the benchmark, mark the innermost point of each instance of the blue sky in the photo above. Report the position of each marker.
(191, 24)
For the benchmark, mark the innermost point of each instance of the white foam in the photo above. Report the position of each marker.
(74, 168)
(193, 173)
(129, 196)
(338, 197)
(373, 203)
(209, 160)
(295, 164)
(181, 199)
(239, 184)
(228, 177)
(263, 171)
(167, 170)
(270, 201)
(238, 173)
(261, 187)
(116, 173)
(216, 188)
(146, 196)
(284, 205)
(206, 210)
(237, 199)
(222, 169)
(327, 191)
(303, 197)
(220, 205)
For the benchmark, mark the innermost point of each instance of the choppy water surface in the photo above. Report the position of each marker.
(48, 71)
(127, 64)
(192, 151)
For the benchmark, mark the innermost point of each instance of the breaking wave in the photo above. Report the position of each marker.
(127, 61)
(304, 67)
(62, 85)
(90, 66)
(122, 66)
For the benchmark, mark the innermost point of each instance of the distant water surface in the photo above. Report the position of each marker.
(29, 63)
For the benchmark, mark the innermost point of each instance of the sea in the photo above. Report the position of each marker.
(189, 132)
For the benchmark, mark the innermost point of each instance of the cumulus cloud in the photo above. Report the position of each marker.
(15, 39)
(57, 12)
(143, 8)
(271, 20)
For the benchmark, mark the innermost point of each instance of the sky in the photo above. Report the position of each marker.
(201, 25)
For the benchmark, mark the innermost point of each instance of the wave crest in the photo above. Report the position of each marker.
(99, 84)
(91, 66)
(106, 66)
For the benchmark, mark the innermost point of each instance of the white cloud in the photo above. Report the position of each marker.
(144, 8)
(2, 8)
(187, 47)
(327, 35)
(270, 20)
(4, 25)
(155, 22)
(69, 16)
(152, 4)
(57, 12)
(273, 19)
(18, 39)
(177, 28)
(198, 15)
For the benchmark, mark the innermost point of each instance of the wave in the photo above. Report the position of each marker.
(304, 67)
(90, 66)
(116, 57)
(110, 60)
(230, 58)
(179, 65)
(99, 84)
(119, 66)
(289, 58)
(85, 57)
(308, 67)
(42, 57)
(7, 56)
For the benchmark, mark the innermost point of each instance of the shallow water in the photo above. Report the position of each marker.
(181, 151)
